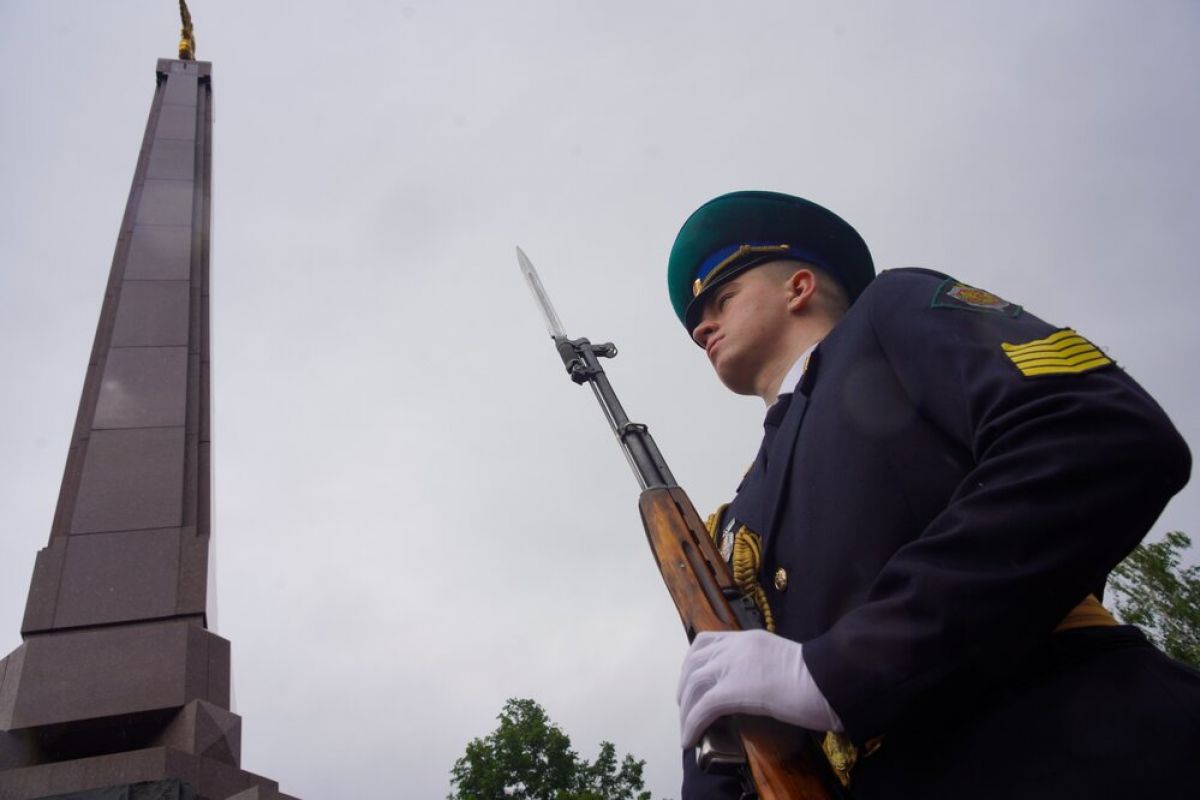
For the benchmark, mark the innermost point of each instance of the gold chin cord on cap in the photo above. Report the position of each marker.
(700, 284)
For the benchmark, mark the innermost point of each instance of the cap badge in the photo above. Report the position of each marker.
(735, 255)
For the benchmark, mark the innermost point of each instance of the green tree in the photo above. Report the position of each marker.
(528, 757)
(1156, 594)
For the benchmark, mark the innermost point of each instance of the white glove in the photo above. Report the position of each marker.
(748, 672)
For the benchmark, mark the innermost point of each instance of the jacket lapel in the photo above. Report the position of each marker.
(783, 450)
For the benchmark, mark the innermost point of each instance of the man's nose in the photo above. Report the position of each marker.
(702, 331)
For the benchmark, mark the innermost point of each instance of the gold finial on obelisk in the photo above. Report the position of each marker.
(187, 42)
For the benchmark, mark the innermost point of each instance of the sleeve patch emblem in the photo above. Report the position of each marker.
(952, 294)
(1061, 353)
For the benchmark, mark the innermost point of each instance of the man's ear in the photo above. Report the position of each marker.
(802, 287)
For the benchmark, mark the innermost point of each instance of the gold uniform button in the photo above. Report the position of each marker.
(781, 579)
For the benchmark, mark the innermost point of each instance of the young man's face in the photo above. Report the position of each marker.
(741, 326)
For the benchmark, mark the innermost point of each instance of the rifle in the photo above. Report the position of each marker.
(783, 762)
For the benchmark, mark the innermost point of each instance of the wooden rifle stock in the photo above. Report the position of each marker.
(785, 763)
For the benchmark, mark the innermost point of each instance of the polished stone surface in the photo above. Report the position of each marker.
(152, 313)
(119, 577)
(176, 122)
(131, 479)
(120, 691)
(143, 387)
(160, 253)
(95, 673)
(208, 777)
(181, 90)
(165, 203)
(171, 789)
(205, 730)
(172, 159)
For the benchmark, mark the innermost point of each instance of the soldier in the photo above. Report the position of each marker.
(945, 482)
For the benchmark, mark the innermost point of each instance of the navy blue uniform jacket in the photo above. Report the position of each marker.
(937, 513)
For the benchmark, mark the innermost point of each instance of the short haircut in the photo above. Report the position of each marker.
(830, 295)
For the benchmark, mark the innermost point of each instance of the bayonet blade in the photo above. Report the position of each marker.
(553, 323)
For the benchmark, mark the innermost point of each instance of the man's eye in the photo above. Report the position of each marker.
(722, 299)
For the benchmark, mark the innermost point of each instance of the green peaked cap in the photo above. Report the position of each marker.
(708, 248)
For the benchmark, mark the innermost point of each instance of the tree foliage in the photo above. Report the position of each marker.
(1156, 594)
(528, 757)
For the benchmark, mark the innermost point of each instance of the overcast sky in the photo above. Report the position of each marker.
(417, 514)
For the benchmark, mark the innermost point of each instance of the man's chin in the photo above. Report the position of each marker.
(738, 384)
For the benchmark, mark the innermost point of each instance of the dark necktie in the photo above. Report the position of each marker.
(775, 415)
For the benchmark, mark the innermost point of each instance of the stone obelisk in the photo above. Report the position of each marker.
(119, 685)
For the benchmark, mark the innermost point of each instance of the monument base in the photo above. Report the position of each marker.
(89, 778)
(173, 789)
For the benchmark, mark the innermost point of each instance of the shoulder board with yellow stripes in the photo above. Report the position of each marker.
(1062, 353)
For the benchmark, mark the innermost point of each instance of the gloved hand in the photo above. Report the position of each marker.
(748, 672)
